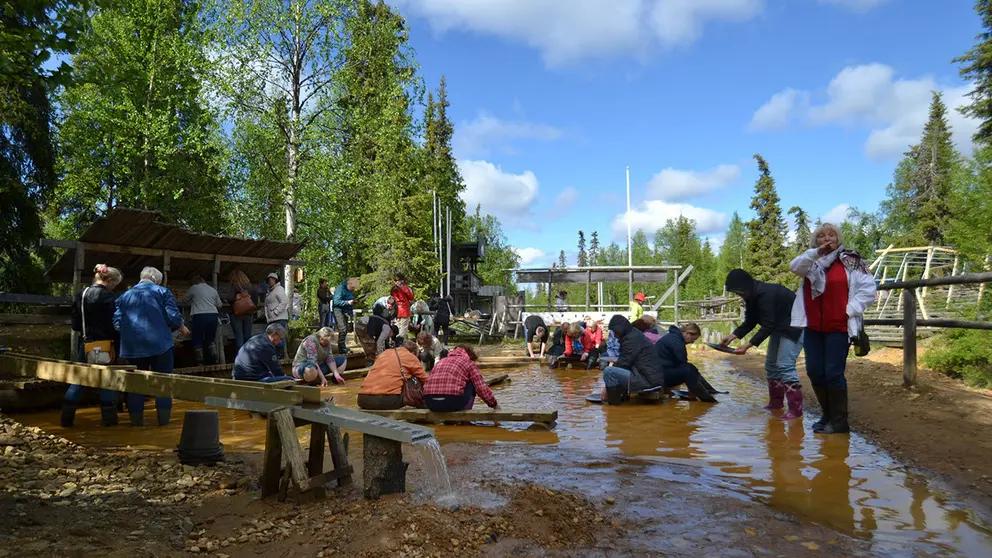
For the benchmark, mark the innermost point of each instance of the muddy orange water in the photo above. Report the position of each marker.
(842, 482)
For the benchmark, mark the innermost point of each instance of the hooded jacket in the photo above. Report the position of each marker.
(671, 349)
(765, 304)
(638, 355)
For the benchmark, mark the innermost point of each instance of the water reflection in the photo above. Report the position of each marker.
(843, 482)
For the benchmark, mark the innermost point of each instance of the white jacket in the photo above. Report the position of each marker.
(860, 293)
(276, 304)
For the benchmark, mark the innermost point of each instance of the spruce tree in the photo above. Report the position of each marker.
(594, 249)
(935, 166)
(767, 256)
(803, 233)
(977, 70)
(562, 262)
(733, 249)
(583, 258)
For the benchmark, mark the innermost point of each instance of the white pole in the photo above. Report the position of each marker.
(449, 251)
(630, 253)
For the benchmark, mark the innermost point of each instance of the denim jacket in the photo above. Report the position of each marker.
(146, 316)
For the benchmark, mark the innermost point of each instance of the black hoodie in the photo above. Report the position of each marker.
(638, 355)
(766, 304)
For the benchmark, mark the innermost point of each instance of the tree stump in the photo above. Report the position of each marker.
(385, 471)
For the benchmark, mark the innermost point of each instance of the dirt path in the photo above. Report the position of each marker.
(941, 425)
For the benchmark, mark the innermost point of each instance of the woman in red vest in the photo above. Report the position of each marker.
(837, 288)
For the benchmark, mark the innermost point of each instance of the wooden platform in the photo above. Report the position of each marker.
(545, 418)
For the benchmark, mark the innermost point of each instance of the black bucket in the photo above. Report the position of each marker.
(199, 442)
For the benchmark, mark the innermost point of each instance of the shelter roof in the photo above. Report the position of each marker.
(130, 239)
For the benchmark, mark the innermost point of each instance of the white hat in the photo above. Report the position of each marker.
(273, 275)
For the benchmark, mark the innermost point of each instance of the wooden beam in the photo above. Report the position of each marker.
(35, 319)
(37, 300)
(963, 279)
(146, 383)
(485, 415)
(957, 324)
(154, 252)
(909, 339)
(99, 366)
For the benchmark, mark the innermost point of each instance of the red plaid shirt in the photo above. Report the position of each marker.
(453, 372)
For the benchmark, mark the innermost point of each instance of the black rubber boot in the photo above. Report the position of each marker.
(342, 348)
(69, 413)
(712, 390)
(838, 412)
(824, 401)
(210, 354)
(198, 355)
(616, 396)
(108, 414)
(163, 416)
(698, 388)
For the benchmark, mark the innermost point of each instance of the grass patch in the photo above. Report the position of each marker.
(964, 354)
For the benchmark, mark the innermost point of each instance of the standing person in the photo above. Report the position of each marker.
(344, 310)
(382, 389)
(638, 367)
(314, 361)
(277, 308)
(258, 358)
(423, 317)
(93, 317)
(637, 306)
(675, 362)
(297, 303)
(770, 306)
(561, 305)
(243, 296)
(837, 287)
(404, 298)
(204, 304)
(323, 304)
(431, 349)
(442, 319)
(455, 381)
(146, 315)
(535, 330)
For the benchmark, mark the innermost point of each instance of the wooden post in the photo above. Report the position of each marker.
(878, 300)
(339, 452)
(385, 471)
(981, 287)
(926, 273)
(588, 286)
(272, 461)
(77, 284)
(950, 290)
(219, 337)
(550, 276)
(166, 267)
(315, 459)
(676, 311)
(909, 338)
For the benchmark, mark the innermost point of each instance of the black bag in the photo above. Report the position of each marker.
(862, 344)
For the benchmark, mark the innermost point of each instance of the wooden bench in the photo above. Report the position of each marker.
(543, 418)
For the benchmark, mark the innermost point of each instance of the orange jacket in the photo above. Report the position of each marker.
(386, 378)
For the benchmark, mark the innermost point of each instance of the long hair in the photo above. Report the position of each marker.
(239, 279)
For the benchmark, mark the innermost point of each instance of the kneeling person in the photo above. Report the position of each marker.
(455, 381)
(314, 361)
(382, 389)
(258, 358)
(431, 349)
(638, 367)
(675, 362)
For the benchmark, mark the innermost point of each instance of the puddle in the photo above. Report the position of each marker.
(735, 447)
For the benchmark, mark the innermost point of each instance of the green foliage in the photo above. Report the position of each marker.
(863, 232)
(766, 257)
(971, 204)
(583, 257)
(977, 70)
(677, 243)
(500, 256)
(732, 252)
(804, 236)
(965, 354)
(593, 256)
(441, 169)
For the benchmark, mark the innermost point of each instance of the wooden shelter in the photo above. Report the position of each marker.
(132, 239)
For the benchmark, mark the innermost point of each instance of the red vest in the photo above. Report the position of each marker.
(828, 313)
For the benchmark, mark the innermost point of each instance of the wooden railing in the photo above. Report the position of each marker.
(910, 322)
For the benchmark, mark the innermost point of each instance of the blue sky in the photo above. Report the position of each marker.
(551, 99)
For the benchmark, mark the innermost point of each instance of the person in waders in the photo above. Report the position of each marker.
(769, 306)
(837, 287)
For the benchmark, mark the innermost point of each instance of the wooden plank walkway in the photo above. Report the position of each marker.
(546, 418)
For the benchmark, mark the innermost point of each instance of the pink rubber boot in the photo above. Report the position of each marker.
(794, 395)
(776, 392)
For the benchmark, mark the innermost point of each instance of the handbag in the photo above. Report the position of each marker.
(413, 390)
(862, 344)
(97, 352)
(243, 304)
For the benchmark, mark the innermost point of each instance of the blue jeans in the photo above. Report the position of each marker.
(617, 378)
(272, 379)
(686, 374)
(203, 330)
(339, 360)
(242, 330)
(826, 358)
(323, 315)
(159, 363)
(780, 361)
(75, 393)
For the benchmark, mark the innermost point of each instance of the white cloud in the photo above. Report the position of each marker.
(655, 213)
(486, 132)
(856, 5)
(837, 215)
(675, 185)
(568, 31)
(894, 109)
(504, 195)
(779, 110)
(566, 199)
(529, 255)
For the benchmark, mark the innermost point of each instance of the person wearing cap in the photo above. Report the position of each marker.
(277, 307)
(637, 306)
(769, 306)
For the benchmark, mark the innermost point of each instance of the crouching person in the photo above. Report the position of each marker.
(675, 362)
(314, 361)
(382, 389)
(258, 358)
(431, 349)
(455, 381)
(638, 367)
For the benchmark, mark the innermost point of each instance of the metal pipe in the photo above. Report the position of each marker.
(449, 251)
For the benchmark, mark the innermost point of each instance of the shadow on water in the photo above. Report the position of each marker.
(842, 482)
